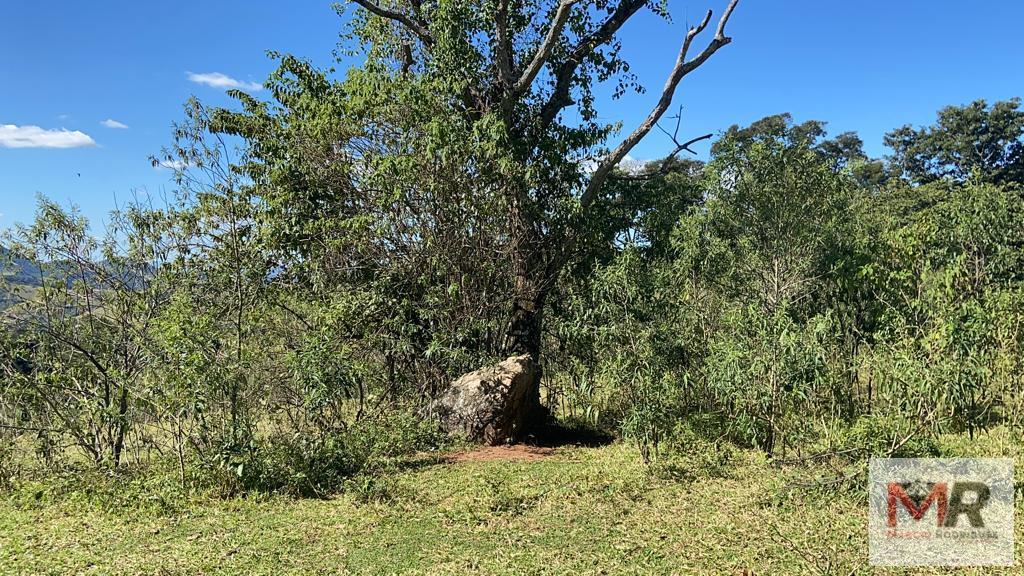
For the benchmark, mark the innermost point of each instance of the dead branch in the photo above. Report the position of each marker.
(666, 162)
(680, 70)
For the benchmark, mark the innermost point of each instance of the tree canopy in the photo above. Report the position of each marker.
(978, 140)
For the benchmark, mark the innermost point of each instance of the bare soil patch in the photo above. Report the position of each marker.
(515, 452)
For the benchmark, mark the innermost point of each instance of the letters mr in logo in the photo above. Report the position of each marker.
(918, 497)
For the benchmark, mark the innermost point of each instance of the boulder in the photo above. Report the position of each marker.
(495, 405)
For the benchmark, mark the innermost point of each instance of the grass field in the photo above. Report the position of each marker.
(575, 511)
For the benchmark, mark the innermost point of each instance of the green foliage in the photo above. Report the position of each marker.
(975, 141)
(8, 462)
(627, 377)
(78, 345)
(276, 328)
(318, 465)
(337, 253)
(948, 300)
(798, 296)
(887, 435)
(767, 245)
(770, 374)
(302, 465)
(690, 454)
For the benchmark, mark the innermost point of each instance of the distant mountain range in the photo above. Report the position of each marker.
(18, 270)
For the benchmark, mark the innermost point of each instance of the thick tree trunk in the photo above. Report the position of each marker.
(526, 326)
(524, 336)
(529, 282)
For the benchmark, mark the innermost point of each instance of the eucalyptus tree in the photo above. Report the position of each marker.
(948, 279)
(448, 178)
(770, 242)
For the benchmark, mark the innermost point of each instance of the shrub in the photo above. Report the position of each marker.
(8, 463)
(889, 436)
(357, 458)
(689, 454)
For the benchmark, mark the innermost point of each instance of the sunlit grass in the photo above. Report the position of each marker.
(580, 511)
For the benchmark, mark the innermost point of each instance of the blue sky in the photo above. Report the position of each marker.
(80, 71)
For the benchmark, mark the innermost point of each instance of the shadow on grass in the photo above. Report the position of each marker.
(559, 434)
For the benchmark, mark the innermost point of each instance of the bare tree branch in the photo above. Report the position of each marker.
(414, 26)
(686, 145)
(544, 50)
(560, 96)
(681, 69)
(720, 39)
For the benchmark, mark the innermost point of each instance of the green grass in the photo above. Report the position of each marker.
(581, 511)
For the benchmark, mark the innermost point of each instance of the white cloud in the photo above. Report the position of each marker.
(218, 80)
(628, 164)
(12, 136)
(632, 165)
(111, 123)
(171, 164)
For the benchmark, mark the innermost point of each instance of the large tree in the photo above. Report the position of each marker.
(456, 170)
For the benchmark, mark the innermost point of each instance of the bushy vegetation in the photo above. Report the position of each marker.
(339, 252)
(806, 287)
(773, 295)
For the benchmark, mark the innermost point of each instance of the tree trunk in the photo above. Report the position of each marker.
(529, 283)
(526, 327)
(524, 336)
(122, 425)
